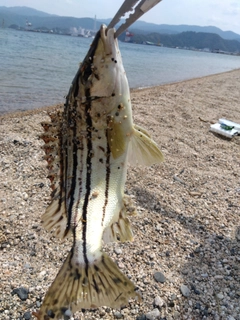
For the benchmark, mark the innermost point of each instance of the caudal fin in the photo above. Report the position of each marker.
(92, 286)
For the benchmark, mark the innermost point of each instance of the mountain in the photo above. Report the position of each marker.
(25, 11)
(18, 16)
(164, 28)
(168, 35)
(190, 39)
(146, 27)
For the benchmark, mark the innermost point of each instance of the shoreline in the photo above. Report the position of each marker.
(182, 81)
(16, 113)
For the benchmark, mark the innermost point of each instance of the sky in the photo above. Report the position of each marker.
(224, 14)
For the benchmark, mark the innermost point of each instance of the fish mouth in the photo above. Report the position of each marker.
(108, 39)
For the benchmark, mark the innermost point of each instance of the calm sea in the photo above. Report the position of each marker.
(37, 69)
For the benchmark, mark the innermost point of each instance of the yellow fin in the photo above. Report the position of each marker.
(141, 129)
(55, 218)
(142, 149)
(80, 286)
(116, 138)
(120, 230)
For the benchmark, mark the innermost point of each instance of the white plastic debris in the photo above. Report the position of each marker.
(226, 128)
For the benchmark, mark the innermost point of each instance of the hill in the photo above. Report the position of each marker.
(18, 16)
(168, 35)
(197, 40)
(24, 11)
(146, 27)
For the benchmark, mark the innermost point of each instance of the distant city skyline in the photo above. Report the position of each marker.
(219, 13)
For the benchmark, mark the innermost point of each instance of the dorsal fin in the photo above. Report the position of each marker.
(52, 147)
(55, 217)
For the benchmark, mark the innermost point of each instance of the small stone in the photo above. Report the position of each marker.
(141, 317)
(197, 250)
(152, 315)
(67, 314)
(118, 315)
(159, 277)
(25, 196)
(185, 290)
(185, 272)
(173, 297)
(230, 318)
(198, 306)
(237, 233)
(204, 275)
(220, 296)
(118, 250)
(171, 304)
(176, 315)
(158, 302)
(195, 290)
(21, 292)
(27, 316)
(42, 274)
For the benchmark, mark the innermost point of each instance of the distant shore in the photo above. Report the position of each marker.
(149, 43)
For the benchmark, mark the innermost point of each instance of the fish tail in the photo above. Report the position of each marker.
(79, 287)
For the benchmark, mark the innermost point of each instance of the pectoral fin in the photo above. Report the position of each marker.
(142, 149)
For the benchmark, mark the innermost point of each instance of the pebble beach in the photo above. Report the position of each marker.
(185, 257)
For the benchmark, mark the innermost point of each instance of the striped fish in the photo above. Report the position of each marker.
(87, 148)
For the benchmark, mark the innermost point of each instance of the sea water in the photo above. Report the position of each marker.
(37, 69)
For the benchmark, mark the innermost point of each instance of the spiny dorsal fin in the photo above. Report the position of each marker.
(52, 147)
(55, 217)
(142, 149)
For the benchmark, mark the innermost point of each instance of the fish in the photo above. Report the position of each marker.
(88, 147)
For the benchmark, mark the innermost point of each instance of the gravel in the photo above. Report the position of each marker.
(187, 228)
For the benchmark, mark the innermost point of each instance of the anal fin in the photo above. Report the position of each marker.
(120, 230)
(55, 218)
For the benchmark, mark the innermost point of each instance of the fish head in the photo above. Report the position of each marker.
(103, 68)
